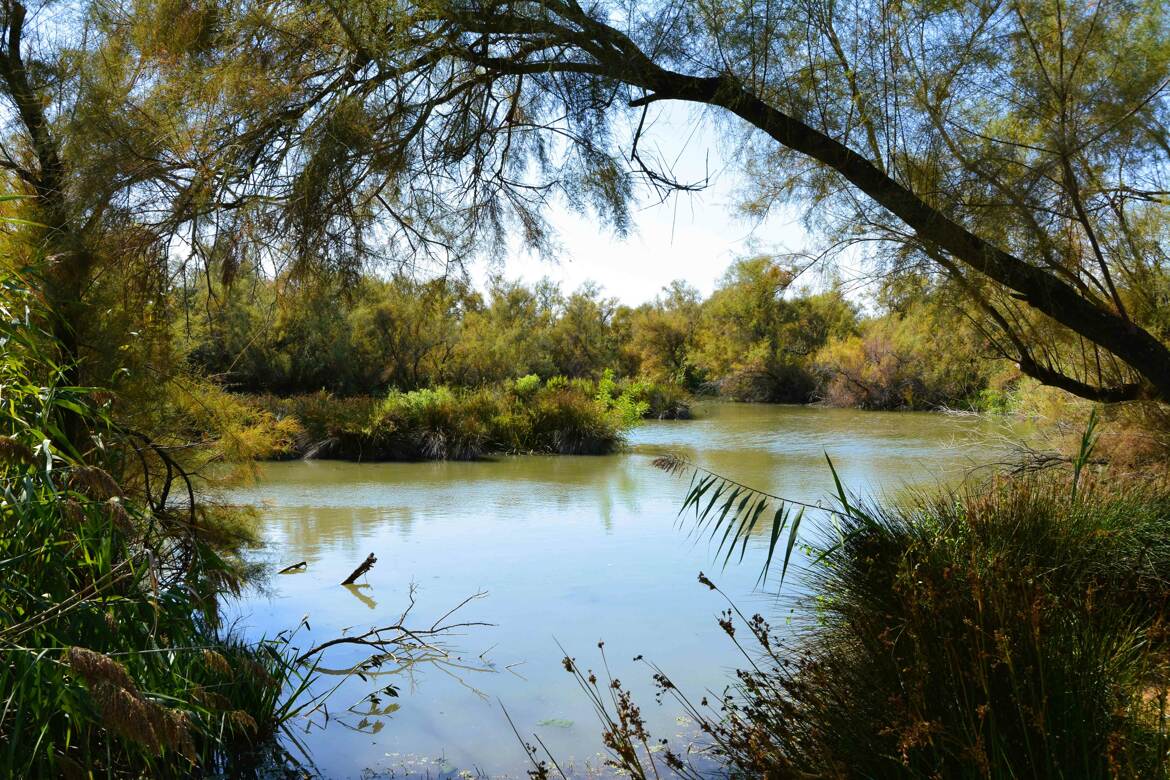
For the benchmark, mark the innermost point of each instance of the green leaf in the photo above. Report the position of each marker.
(791, 543)
(779, 520)
(841, 495)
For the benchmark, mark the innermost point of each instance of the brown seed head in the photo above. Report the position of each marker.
(96, 668)
(243, 721)
(216, 662)
(13, 451)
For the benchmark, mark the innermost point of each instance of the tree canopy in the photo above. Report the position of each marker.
(1016, 148)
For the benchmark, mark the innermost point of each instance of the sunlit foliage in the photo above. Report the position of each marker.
(561, 416)
(760, 336)
(114, 661)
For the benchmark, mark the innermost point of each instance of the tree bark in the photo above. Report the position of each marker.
(67, 262)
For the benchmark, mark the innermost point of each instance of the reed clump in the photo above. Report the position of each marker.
(111, 660)
(558, 416)
(1015, 629)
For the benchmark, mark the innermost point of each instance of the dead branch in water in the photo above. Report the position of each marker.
(385, 639)
(365, 566)
(296, 566)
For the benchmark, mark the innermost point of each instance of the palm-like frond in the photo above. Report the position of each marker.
(729, 511)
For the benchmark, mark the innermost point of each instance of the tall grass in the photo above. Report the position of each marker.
(111, 660)
(1016, 629)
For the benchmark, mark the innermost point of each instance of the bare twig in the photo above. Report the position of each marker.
(385, 639)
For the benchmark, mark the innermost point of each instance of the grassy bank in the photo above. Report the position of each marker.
(1014, 630)
(113, 663)
(558, 416)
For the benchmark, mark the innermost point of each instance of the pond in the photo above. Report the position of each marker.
(569, 551)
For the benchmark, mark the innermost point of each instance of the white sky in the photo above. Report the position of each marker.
(692, 236)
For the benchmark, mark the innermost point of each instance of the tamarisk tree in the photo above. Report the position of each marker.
(1015, 148)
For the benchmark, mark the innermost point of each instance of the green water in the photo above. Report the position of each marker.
(568, 549)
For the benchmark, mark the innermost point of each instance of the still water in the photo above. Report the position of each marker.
(569, 551)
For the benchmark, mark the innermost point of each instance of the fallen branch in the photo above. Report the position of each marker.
(294, 567)
(365, 566)
(385, 639)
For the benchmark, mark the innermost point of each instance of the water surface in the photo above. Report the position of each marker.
(569, 550)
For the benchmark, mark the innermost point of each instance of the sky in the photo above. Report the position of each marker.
(693, 236)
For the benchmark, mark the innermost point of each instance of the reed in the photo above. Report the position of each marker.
(111, 659)
(1016, 628)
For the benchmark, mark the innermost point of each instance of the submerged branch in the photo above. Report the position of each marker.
(362, 568)
(397, 635)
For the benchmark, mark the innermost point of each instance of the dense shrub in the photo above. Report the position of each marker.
(1017, 631)
(775, 382)
(660, 400)
(921, 359)
(1011, 630)
(562, 416)
(567, 421)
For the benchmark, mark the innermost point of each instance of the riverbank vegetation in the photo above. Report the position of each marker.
(761, 336)
(114, 660)
(559, 416)
(1014, 627)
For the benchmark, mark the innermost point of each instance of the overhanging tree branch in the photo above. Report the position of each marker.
(617, 57)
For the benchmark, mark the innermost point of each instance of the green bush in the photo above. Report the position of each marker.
(571, 417)
(436, 424)
(569, 421)
(628, 403)
(992, 401)
(659, 400)
(528, 384)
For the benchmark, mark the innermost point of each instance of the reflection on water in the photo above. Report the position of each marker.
(570, 550)
(357, 592)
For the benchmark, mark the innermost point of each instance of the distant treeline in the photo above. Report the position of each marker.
(756, 338)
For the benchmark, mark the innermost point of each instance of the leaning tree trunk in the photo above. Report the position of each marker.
(611, 54)
(66, 262)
